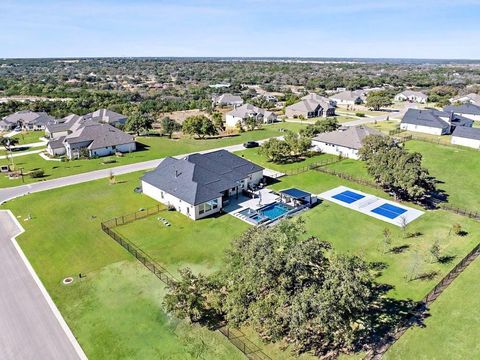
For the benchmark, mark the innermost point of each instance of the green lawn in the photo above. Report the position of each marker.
(252, 155)
(116, 311)
(155, 147)
(456, 167)
(385, 126)
(451, 331)
(29, 137)
(357, 233)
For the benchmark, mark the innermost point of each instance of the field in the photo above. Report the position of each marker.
(457, 169)
(153, 148)
(29, 137)
(115, 312)
(449, 332)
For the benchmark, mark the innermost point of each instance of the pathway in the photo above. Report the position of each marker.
(22, 153)
(31, 327)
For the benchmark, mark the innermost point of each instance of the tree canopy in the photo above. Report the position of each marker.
(378, 99)
(200, 126)
(396, 169)
(169, 126)
(321, 126)
(290, 149)
(289, 286)
(138, 122)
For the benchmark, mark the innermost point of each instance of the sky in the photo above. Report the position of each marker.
(434, 29)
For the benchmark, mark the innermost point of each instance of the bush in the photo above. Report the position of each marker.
(359, 114)
(109, 161)
(35, 174)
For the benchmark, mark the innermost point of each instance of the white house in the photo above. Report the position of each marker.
(96, 140)
(466, 136)
(246, 111)
(344, 142)
(227, 99)
(199, 185)
(412, 96)
(469, 98)
(26, 120)
(467, 110)
(433, 122)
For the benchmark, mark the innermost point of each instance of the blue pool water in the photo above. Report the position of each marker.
(274, 211)
(348, 196)
(389, 211)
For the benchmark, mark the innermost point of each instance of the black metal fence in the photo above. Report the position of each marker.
(464, 212)
(235, 336)
(349, 177)
(312, 166)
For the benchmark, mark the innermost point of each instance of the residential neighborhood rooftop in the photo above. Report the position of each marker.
(351, 137)
(467, 132)
(467, 108)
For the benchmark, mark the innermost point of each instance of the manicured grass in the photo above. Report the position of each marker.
(444, 139)
(456, 167)
(29, 137)
(252, 155)
(353, 232)
(355, 168)
(451, 330)
(154, 148)
(115, 312)
(199, 245)
(385, 126)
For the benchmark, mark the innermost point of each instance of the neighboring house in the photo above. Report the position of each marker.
(227, 100)
(349, 97)
(431, 121)
(242, 113)
(96, 140)
(311, 105)
(200, 184)
(63, 127)
(106, 116)
(467, 110)
(26, 120)
(343, 142)
(466, 136)
(412, 96)
(469, 98)
(55, 147)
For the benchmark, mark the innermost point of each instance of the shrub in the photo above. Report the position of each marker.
(360, 114)
(109, 161)
(35, 174)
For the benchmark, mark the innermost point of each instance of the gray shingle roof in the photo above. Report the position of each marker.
(105, 116)
(29, 117)
(467, 132)
(409, 93)
(249, 110)
(351, 138)
(99, 136)
(310, 103)
(228, 99)
(56, 143)
(428, 118)
(464, 109)
(200, 177)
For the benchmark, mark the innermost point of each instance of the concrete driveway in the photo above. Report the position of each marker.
(31, 327)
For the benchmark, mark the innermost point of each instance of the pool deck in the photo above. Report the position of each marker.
(244, 202)
(369, 202)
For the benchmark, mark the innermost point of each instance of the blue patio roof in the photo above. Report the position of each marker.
(295, 193)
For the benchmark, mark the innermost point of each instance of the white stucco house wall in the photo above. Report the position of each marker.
(412, 96)
(242, 113)
(468, 110)
(345, 142)
(466, 136)
(432, 122)
(200, 184)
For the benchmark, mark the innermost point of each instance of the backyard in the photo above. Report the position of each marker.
(150, 148)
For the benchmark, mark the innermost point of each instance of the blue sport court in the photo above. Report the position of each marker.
(348, 196)
(389, 211)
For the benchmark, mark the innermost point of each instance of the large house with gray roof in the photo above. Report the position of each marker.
(26, 120)
(311, 105)
(345, 142)
(471, 98)
(434, 122)
(249, 111)
(355, 97)
(199, 185)
(467, 110)
(106, 116)
(412, 96)
(227, 99)
(466, 136)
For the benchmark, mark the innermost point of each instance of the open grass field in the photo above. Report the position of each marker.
(450, 331)
(115, 312)
(29, 137)
(153, 148)
(385, 126)
(456, 167)
(252, 155)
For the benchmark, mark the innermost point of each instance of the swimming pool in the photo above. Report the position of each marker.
(275, 210)
(389, 211)
(348, 196)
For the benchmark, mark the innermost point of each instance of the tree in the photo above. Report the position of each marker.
(275, 150)
(138, 122)
(435, 250)
(298, 144)
(9, 143)
(321, 126)
(169, 126)
(199, 125)
(395, 169)
(387, 240)
(289, 287)
(378, 99)
(217, 119)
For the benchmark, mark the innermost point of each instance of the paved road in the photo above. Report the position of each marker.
(13, 192)
(31, 328)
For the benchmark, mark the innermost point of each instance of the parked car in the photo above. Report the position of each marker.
(251, 144)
